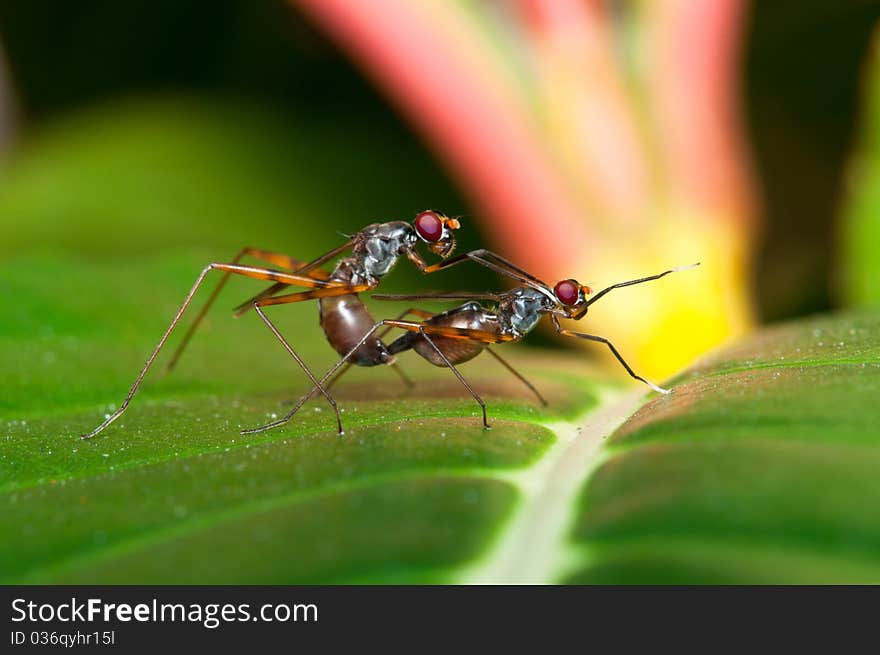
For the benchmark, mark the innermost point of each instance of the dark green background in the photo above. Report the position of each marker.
(801, 78)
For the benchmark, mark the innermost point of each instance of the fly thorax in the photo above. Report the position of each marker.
(381, 256)
(521, 309)
(351, 271)
(382, 245)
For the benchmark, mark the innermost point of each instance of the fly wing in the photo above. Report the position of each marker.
(438, 295)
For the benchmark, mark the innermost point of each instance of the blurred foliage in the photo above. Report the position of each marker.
(801, 73)
(236, 48)
(176, 172)
(803, 67)
(168, 114)
(859, 231)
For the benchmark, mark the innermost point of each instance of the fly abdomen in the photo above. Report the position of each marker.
(457, 350)
(404, 342)
(345, 320)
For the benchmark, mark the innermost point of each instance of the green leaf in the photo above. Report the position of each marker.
(108, 217)
(173, 493)
(860, 213)
(760, 467)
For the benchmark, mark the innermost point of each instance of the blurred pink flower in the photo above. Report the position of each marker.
(598, 140)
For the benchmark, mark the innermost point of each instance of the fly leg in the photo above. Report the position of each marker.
(284, 261)
(483, 336)
(247, 271)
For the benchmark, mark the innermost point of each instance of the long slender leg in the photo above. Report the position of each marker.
(492, 261)
(232, 268)
(291, 279)
(286, 261)
(278, 259)
(457, 374)
(438, 295)
(403, 376)
(484, 336)
(503, 362)
(339, 290)
(301, 363)
(248, 304)
(451, 332)
(335, 378)
(204, 310)
(421, 313)
(311, 268)
(303, 399)
(629, 283)
(407, 380)
(593, 337)
(517, 374)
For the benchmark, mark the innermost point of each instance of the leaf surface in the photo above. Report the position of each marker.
(761, 467)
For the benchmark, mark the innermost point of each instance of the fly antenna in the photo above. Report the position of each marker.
(640, 280)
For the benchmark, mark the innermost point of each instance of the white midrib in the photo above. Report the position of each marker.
(534, 546)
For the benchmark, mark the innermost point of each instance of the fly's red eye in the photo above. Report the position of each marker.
(568, 291)
(429, 226)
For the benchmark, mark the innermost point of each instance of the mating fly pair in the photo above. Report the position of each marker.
(460, 334)
(443, 339)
